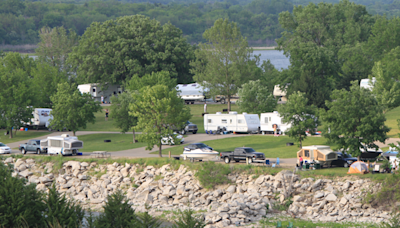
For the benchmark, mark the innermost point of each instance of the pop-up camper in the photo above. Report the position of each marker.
(97, 91)
(232, 122)
(271, 120)
(64, 144)
(321, 154)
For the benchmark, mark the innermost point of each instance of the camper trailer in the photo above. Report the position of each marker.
(98, 92)
(272, 120)
(320, 154)
(232, 122)
(279, 94)
(41, 118)
(63, 145)
(365, 83)
(191, 92)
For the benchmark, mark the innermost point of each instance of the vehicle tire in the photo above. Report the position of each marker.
(23, 151)
(74, 152)
(346, 165)
(237, 161)
(38, 151)
(227, 160)
(222, 101)
(217, 132)
(192, 102)
(250, 160)
(183, 132)
(194, 132)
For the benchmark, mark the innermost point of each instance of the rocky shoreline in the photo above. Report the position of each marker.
(246, 201)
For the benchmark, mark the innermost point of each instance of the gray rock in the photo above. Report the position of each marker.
(26, 173)
(44, 180)
(319, 195)
(331, 197)
(8, 160)
(231, 189)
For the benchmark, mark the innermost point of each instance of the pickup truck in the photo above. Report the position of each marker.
(187, 127)
(33, 145)
(241, 153)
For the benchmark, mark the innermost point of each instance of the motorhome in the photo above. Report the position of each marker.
(280, 94)
(100, 93)
(272, 120)
(41, 118)
(365, 83)
(191, 92)
(62, 145)
(232, 122)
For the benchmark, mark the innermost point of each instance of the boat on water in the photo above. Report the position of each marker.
(198, 151)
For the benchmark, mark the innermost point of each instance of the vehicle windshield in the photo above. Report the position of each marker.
(249, 150)
(201, 145)
(2, 144)
(38, 142)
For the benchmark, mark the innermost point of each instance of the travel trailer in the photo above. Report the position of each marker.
(280, 94)
(191, 92)
(63, 145)
(41, 118)
(232, 122)
(97, 92)
(365, 83)
(320, 154)
(272, 120)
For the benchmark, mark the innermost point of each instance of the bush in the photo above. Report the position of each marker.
(145, 220)
(188, 219)
(212, 174)
(394, 222)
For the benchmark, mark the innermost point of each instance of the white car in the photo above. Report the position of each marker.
(168, 140)
(4, 149)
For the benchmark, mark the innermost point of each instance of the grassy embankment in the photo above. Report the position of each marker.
(21, 136)
(391, 121)
(95, 142)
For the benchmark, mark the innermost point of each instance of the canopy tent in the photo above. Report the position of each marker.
(358, 167)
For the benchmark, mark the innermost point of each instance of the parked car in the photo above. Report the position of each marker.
(169, 140)
(241, 153)
(343, 160)
(187, 127)
(33, 145)
(4, 149)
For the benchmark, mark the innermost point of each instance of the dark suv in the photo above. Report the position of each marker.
(344, 160)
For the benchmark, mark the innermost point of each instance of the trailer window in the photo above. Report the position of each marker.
(269, 118)
(94, 90)
(224, 121)
(231, 121)
(266, 120)
(209, 120)
(306, 153)
(240, 121)
(55, 143)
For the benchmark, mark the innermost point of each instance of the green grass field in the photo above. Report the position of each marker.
(391, 121)
(95, 142)
(271, 146)
(21, 136)
(197, 109)
(101, 124)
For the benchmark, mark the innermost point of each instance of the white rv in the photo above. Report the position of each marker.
(280, 94)
(97, 92)
(191, 92)
(232, 122)
(269, 120)
(63, 145)
(365, 83)
(41, 118)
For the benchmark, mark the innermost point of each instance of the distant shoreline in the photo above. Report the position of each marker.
(263, 48)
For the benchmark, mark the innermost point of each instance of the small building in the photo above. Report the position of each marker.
(318, 153)
(97, 91)
(280, 94)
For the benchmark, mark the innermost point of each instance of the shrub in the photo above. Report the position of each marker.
(212, 174)
(145, 220)
(188, 219)
(394, 221)
(118, 213)
(20, 204)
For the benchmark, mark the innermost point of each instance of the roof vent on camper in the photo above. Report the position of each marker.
(65, 135)
(218, 113)
(244, 113)
(233, 113)
(275, 111)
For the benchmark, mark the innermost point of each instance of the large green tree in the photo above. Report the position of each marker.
(115, 50)
(158, 109)
(71, 109)
(354, 119)
(119, 111)
(15, 92)
(315, 36)
(300, 115)
(225, 62)
(152, 79)
(256, 98)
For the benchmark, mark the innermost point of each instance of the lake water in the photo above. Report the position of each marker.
(277, 58)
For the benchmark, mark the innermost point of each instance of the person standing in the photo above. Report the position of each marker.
(106, 114)
(205, 107)
(102, 99)
(301, 162)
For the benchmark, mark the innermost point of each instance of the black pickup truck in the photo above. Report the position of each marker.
(33, 145)
(241, 153)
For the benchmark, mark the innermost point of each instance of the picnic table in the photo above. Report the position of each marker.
(100, 154)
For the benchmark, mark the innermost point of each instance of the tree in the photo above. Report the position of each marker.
(15, 92)
(300, 115)
(255, 98)
(55, 45)
(152, 79)
(158, 109)
(71, 109)
(131, 45)
(354, 120)
(119, 111)
(224, 63)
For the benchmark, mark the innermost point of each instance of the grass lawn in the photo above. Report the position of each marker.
(197, 109)
(271, 146)
(21, 136)
(95, 142)
(391, 121)
(101, 124)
